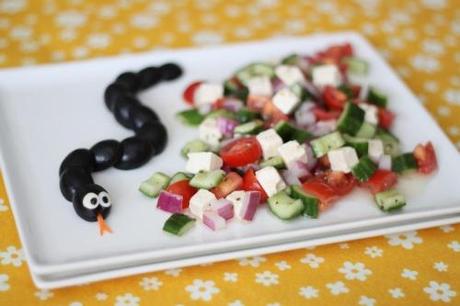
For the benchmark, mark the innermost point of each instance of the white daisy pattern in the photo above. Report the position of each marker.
(283, 265)
(252, 261)
(207, 38)
(127, 299)
(101, 296)
(396, 293)
(373, 252)
(236, 303)
(202, 290)
(439, 291)
(12, 256)
(230, 277)
(312, 260)
(43, 294)
(355, 271)
(3, 206)
(337, 288)
(4, 282)
(440, 266)
(454, 246)
(452, 96)
(173, 272)
(409, 274)
(150, 283)
(425, 63)
(406, 240)
(366, 301)
(309, 292)
(267, 278)
(98, 40)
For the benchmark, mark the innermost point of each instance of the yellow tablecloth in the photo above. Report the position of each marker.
(419, 38)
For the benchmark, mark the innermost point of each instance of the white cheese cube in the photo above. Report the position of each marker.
(208, 93)
(370, 113)
(203, 161)
(200, 202)
(326, 75)
(375, 149)
(289, 74)
(269, 141)
(237, 198)
(209, 132)
(260, 86)
(286, 100)
(292, 152)
(270, 180)
(385, 162)
(343, 159)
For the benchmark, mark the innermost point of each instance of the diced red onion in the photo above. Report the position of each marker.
(223, 208)
(323, 127)
(170, 202)
(289, 177)
(226, 126)
(312, 89)
(304, 117)
(277, 84)
(214, 221)
(299, 169)
(311, 159)
(248, 206)
(303, 64)
(232, 104)
(385, 162)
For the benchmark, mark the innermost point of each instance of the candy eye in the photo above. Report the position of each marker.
(90, 200)
(104, 199)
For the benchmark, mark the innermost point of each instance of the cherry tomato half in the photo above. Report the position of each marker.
(385, 117)
(250, 183)
(231, 182)
(184, 189)
(189, 93)
(381, 180)
(342, 183)
(322, 190)
(323, 115)
(334, 98)
(426, 158)
(241, 152)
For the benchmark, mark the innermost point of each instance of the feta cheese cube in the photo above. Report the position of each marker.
(269, 141)
(375, 149)
(260, 86)
(326, 75)
(210, 133)
(385, 162)
(237, 198)
(286, 100)
(343, 159)
(289, 74)
(201, 202)
(292, 152)
(208, 93)
(203, 161)
(370, 113)
(270, 180)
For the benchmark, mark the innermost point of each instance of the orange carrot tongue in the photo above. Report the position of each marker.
(103, 227)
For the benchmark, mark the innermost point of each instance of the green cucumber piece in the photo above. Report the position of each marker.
(220, 113)
(179, 176)
(289, 132)
(300, 92)
(356, 65)
(234, 89)
(249, 128)
(178, 224)
(207, 180)
(351, 119)
(154, 184)
(367, 130)
(292, 59)
(195, 145)
(310, 202)
(404, 163)
(364, 169)
(376, 97)
(327, 143)
(253, 70)
(390, 200)
(361, 145)
(275, 161)
(285, 207)
(190, 117)
(244, 115)
(346, 89)
(390, 142)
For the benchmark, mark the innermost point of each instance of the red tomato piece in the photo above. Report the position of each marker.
(381, 180)
(241, 152)
(256, 103)
(426, 158)
(323, 115)
(231, 182)
(334, 98)
(272, 114)
(250, 183)
(184, 189)
(189, 93)
(385, 117)
(342, 183)
(320, 189)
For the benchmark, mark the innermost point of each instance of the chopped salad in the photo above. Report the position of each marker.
(297, 135)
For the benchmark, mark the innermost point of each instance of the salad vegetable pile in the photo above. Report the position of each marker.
(298, 135)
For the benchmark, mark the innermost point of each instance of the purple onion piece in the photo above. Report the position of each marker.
(170, 202)
(290, 178)
(299, 169)
(232, 104)
(226, 126)
(213, 221)
(304, 117)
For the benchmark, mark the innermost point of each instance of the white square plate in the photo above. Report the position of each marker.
(47, 111)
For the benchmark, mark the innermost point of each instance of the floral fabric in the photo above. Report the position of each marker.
(421, 41)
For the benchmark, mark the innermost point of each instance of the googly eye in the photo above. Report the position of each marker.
(90, 200)
(104, 199)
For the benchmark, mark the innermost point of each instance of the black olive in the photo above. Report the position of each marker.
(136, 152)
(141, 115)
(155, 133)
(82, 158)
(72, 179)
(86, 213)
(149, 76)
(170, 71)
(106, 154)
(129, 80)
(122, 109)
(112, 93)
